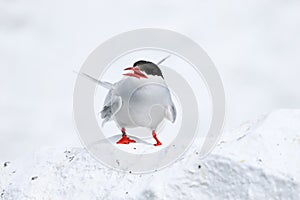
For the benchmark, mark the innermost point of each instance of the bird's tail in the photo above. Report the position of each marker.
(162, 60)
(102, 83)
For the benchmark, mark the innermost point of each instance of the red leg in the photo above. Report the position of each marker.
(125, 139)
(158, 143)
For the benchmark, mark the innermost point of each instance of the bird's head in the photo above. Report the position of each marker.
(143, 69)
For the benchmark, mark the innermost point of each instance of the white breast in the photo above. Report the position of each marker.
(144, 102)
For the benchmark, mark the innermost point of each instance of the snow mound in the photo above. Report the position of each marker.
(259, 160)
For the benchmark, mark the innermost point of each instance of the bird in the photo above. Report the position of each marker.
(140, 99)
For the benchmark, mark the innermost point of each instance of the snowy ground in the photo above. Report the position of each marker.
(259, 160)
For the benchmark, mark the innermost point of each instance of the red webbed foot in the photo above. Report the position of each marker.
(158, 143)
(125, 139)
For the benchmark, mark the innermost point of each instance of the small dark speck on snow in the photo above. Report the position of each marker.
(199, 166)
(129, 172)
(241, 137)
(66, 151)
(126, 192)
(34, 178)
(71, 158)
(6, 164)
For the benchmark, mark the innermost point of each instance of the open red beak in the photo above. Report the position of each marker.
(136, 72)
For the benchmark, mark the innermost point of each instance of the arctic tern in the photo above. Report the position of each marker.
(140, 99)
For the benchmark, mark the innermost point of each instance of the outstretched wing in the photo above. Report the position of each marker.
(112, 105)
(171, 113)
(107, 85)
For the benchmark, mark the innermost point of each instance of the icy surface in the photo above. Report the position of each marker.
(259, 160)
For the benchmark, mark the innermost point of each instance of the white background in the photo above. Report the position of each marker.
(254, 44)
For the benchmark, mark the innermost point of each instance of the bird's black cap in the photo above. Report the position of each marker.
(148, 67)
